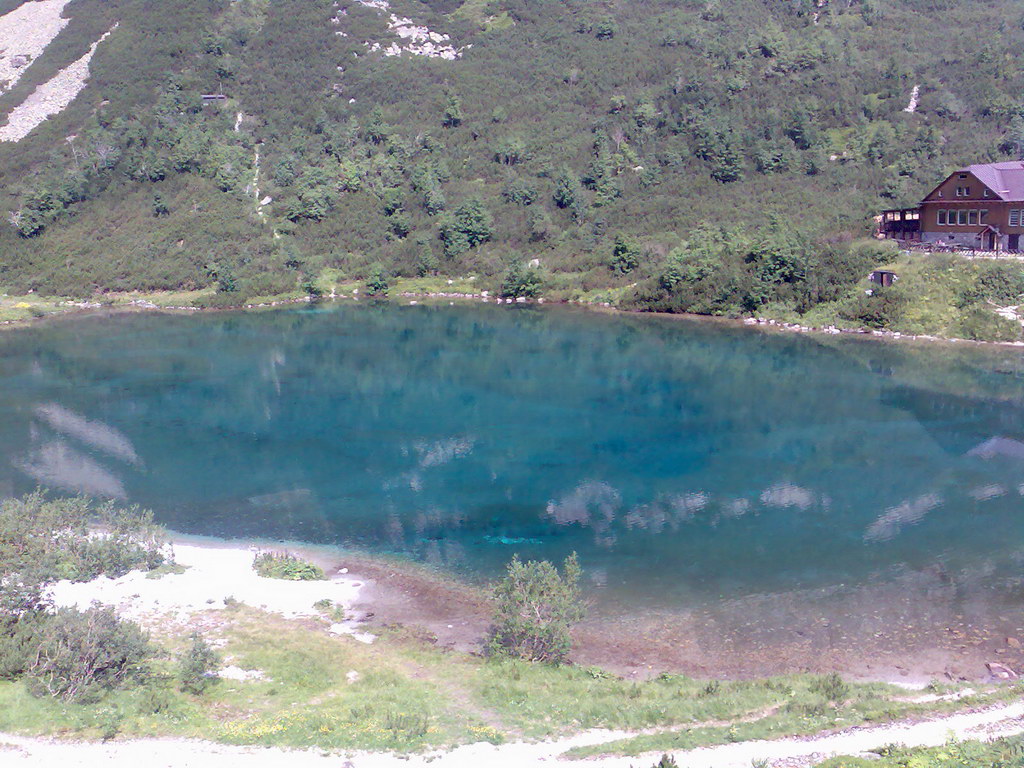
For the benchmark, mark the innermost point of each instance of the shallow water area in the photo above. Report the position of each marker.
(753, 491)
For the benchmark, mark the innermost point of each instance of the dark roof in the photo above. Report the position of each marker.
(1006, 180)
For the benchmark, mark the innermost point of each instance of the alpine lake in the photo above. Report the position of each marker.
(807, 496)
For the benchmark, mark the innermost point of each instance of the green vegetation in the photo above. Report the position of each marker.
(284, 565)
(80, 654)
(70, 654)
(535, 609)
(44, 539)
(1002, 753)
(408, 694)
(197, 666)
(725, 157)
(93, 675)
(940, 294)
(802, 711)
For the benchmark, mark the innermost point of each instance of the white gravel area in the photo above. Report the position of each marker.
(50, 98)
(24, 34)
(213, 574)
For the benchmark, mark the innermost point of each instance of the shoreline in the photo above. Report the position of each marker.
(253, 668)
(380, 592)
(75, 309)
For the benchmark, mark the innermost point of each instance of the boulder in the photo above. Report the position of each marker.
(1000, 671)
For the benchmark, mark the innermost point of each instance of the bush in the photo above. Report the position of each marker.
(520, 281)
(284, 565)
(377, 282)
(832, 687)
(45, 540)
(23, 609)
(625, 256)
(535, 608)
(197, 666)
(879, 309)
(82, 654)
(981, 323)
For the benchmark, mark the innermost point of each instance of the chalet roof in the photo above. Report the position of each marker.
(1005, 179)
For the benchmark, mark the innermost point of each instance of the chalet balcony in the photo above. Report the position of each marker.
(901, 224)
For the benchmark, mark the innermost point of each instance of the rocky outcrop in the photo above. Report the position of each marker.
(413, 38)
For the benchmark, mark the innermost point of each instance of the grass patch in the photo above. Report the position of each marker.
(1001, 753)
(799, 706)
(167, 569)
(285, 565)
(308, 700)
(407, 695)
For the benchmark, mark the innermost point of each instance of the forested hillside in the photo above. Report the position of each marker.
(722, 155)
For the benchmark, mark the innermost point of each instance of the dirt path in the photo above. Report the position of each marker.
(21, 752)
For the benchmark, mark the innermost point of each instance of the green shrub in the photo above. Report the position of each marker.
(23, 609)
(625, 255)
(82, 654)
(377, 282)
(521, 281)
(879, 309)
(331, 610)
(197, 666)
(535, 608)
(406, 726)
(109, 720)
(832, 687)
(981, 323)
(284, 565)
(710, 689)
(45, 540)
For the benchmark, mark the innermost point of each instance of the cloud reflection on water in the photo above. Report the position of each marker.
(57, 465)
(894, 519)
(94, 433)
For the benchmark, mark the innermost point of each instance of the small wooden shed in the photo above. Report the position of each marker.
(883, 277)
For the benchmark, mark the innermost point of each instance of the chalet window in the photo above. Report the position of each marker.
(985, 192)
(972, 217)
(961, 217)
(942, 216)
(1015, 218)
(982, 215)
(963, 191)
(962, 176)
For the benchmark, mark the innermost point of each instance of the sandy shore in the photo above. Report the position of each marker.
(760, 636)
(214, 575)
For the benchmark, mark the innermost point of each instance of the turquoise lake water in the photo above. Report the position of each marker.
(688, 463)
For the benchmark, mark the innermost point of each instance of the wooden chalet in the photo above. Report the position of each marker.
(980, 207)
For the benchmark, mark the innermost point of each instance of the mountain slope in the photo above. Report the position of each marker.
(599, 138)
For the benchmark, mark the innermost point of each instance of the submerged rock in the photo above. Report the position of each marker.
(1000, 671)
